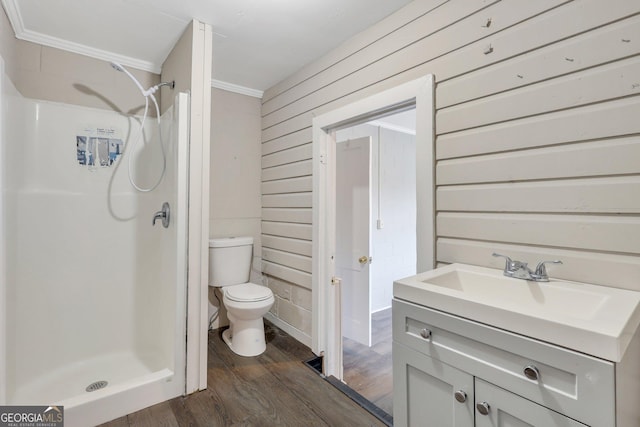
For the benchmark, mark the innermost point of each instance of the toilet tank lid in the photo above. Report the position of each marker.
(226, 242)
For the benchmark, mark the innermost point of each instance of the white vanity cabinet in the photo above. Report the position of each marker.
(425, 391)
(451, 371)
(433, 393)
(509, 409)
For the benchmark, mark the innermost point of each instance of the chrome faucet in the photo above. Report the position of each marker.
(520, 270)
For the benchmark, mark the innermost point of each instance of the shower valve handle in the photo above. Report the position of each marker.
(163, 214)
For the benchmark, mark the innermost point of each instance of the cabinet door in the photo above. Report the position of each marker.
(505, 409)
(429, 393)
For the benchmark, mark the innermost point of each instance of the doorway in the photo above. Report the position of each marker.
(375, 244)
(326, 287)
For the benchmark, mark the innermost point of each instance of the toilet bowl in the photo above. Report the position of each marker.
(245, 308)
(246, 302)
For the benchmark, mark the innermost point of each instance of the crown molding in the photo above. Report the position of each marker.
(237, 88)
(17, 23)
(81, 49)
(13, 13)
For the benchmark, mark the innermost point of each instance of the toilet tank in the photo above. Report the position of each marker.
(230, 260)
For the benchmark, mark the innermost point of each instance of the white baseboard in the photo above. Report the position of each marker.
(295, 333)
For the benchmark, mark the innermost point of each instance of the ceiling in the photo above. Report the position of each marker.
(256, 43)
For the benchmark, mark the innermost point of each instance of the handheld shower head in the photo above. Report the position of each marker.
(151, 90)
(119, 67)
(148, 94)
(116, 66)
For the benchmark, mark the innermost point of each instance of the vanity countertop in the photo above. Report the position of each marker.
(593, 319)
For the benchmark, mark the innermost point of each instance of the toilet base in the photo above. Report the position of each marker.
(246, 338)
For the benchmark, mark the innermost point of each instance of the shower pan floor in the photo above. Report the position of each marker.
(68, 384)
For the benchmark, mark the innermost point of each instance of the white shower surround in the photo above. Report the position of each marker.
(91, 290)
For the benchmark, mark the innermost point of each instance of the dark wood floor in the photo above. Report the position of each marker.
(368, 370)
(273, 389)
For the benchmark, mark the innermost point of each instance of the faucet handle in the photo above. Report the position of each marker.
(509, 262)
(541, 271)
(503, 256)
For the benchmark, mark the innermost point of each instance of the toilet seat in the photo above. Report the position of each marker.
(248, 292)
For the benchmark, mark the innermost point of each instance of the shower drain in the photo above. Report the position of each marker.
(96, 386)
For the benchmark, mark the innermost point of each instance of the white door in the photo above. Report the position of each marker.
(353, 218)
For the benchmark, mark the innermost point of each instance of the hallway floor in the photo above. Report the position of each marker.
(368, 370)
(273, 389)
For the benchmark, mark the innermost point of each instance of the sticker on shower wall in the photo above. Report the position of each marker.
(98, 146)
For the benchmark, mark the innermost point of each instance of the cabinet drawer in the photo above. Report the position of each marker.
(575, 384)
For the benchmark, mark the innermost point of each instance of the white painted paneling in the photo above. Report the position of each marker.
(599, 195)
(288, 156)
(608, 81)
(291, 185)
(287, 171)
(288, 141)
(598, 233)
(601, 157)
(583, 266)
(294, 200)
(302, 247)
(449, 38)
(511, 32)
(541, 31)
(419, 28)
(597, 47)
(291, 275)
(299, 215)
(295, 125)
(284, 229)
(287, 259)
(592, 122)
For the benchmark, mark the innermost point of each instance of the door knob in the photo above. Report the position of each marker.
(363, 260)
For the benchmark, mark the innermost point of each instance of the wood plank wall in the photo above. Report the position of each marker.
(537, 145)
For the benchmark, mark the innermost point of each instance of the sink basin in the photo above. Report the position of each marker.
(550, 297)
(596, 320)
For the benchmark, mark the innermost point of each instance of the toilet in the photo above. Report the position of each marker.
(246, 303)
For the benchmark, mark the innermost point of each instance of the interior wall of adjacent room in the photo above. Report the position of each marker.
(393, 206)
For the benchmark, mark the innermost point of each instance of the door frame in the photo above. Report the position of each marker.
(326, 337)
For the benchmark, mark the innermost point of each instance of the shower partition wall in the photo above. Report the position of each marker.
(93, 293)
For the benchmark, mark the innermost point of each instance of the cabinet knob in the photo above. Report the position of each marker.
(531, 372)
(483, 408)
(460, 396)
(425, 333)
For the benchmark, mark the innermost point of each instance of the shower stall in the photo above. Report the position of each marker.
(92, 294)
